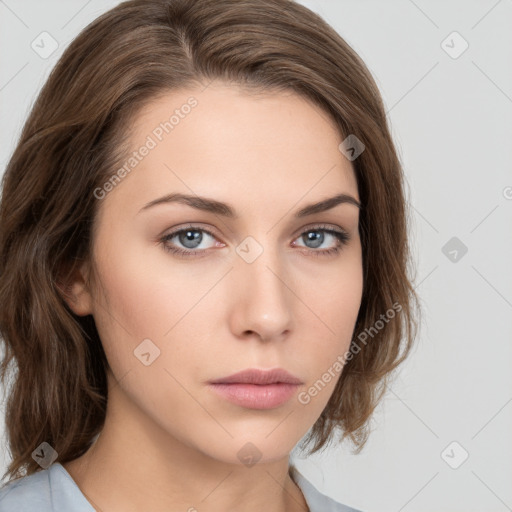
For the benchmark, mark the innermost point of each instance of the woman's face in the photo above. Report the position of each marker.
(261, 287)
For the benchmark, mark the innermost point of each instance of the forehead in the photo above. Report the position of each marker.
(236, 145)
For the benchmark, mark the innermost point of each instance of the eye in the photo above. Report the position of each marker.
(317, 236)
(192, 237)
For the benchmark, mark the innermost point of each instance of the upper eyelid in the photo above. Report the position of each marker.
(211, 232)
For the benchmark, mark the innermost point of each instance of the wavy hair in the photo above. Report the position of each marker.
(75, 137)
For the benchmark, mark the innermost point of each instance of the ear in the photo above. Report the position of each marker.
(75, 291)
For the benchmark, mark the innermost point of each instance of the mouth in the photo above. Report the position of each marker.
(257, 389)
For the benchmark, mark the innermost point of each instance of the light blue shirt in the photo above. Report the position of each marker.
(54, 490)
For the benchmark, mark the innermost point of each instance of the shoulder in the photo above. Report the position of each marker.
(46, 490)
(317, 502)
(27, 493)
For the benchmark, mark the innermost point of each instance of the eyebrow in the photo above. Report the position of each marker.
(219, 208)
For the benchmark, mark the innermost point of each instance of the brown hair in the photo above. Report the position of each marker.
(74, 139)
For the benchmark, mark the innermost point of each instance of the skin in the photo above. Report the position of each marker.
(169, 443)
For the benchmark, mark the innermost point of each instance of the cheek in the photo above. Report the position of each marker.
(146, 296)
(334, 306)
(337, 295)
(325, 359)
(144, 315)
(142, 295)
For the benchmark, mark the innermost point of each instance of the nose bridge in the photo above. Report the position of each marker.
(263, 302)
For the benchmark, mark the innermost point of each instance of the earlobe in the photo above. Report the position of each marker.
(75, 291)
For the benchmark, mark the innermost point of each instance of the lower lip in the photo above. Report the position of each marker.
(256, 396)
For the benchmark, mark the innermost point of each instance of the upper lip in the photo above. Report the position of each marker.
(256, 376)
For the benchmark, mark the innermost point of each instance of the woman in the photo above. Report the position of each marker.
(204, 253)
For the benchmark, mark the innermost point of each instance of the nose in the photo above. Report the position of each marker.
(262, 301)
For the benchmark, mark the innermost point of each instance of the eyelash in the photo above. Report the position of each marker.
(341, 236)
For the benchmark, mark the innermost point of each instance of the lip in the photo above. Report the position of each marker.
(257, 389)
(256, 376)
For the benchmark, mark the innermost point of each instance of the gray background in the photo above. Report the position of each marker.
(452, 123)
